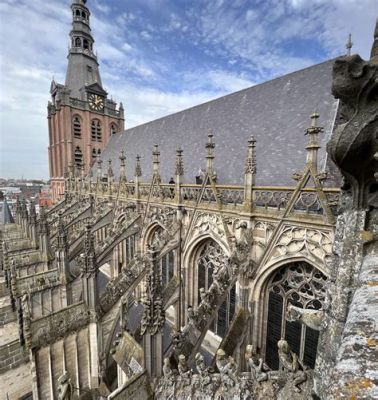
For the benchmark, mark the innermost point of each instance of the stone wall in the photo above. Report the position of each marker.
(12, 355)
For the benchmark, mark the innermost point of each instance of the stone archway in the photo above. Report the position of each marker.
(300, 284)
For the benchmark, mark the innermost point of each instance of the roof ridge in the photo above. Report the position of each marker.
(227, 95)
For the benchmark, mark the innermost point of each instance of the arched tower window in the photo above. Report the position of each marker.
(302, 285)
(78, 13)
(78, 157)
(77, 42)
(76, 125)
(96, 131)
(85, 44)
(84, 15)
(113, 129)
(94, 154)
(210, 258)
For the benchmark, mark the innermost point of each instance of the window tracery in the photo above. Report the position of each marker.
(303, 286)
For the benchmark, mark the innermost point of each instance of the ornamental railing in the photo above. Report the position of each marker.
(229, 197)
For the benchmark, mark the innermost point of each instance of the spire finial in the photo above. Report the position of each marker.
(210, 145)
(349, 44)
(156, 161)
(179, 162)
(313, 145)
(250, 162)
(138, 168)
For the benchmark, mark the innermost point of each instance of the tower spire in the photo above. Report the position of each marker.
(82, 62)
(349, 45)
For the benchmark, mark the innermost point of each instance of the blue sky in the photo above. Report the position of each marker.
(160, 56)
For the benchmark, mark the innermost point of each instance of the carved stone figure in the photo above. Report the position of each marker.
(227, 368)
(184, 371)
(255, 365)
(203, 370)
(291, 364)
(311, 318)
(64, 387)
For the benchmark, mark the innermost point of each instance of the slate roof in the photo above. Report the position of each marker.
(276, 112)
(5, 214)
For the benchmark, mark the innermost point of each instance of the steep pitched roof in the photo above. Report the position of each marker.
(275, 112)
(5, 214)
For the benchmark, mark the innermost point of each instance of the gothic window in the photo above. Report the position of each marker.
(130, 247)
(96, 131)
(84, 15)
(113, 129)
(211, 256)
(77, 127)
(86, 45)
(167, 267)
(77, 42)
(78, 157)
(302, 285)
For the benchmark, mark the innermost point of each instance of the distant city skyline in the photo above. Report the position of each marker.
(161, 56)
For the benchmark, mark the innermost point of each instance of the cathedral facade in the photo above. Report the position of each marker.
(212, 253)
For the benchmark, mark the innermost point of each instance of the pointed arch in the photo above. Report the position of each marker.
(96, 130)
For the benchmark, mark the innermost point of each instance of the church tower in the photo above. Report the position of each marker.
(81, 118)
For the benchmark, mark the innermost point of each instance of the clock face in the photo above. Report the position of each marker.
(96, 102)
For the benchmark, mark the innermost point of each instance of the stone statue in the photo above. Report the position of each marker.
(203, 370)
(25, 305)
(255, 365)
(184, 371)
(227, 368)
(291, 364)
(64, 387)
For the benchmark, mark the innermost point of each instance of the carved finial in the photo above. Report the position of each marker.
(62, 234)
(349, 45)
(122, 170)
(250, 162)
(156, 161)
(210, 145)
(374, 49)
(179, 163)
(110, 169)
(138, 168)
(99, 167)
(313, 145)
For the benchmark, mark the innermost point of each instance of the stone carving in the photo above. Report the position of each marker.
(206, 223)
(184, 371)
(256, 365)
(203, 371)
(309, 242)
(352, 145)
(311, 318)
(65, 388)
(48, 329)
(292, 365)
(227, 368)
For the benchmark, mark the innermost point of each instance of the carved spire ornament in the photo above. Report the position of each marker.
(99, 168)
(179, 163)
(250, 162)
(138, 168)
(122, 170)
(156, 162)
(313, 144)
(210, 145)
